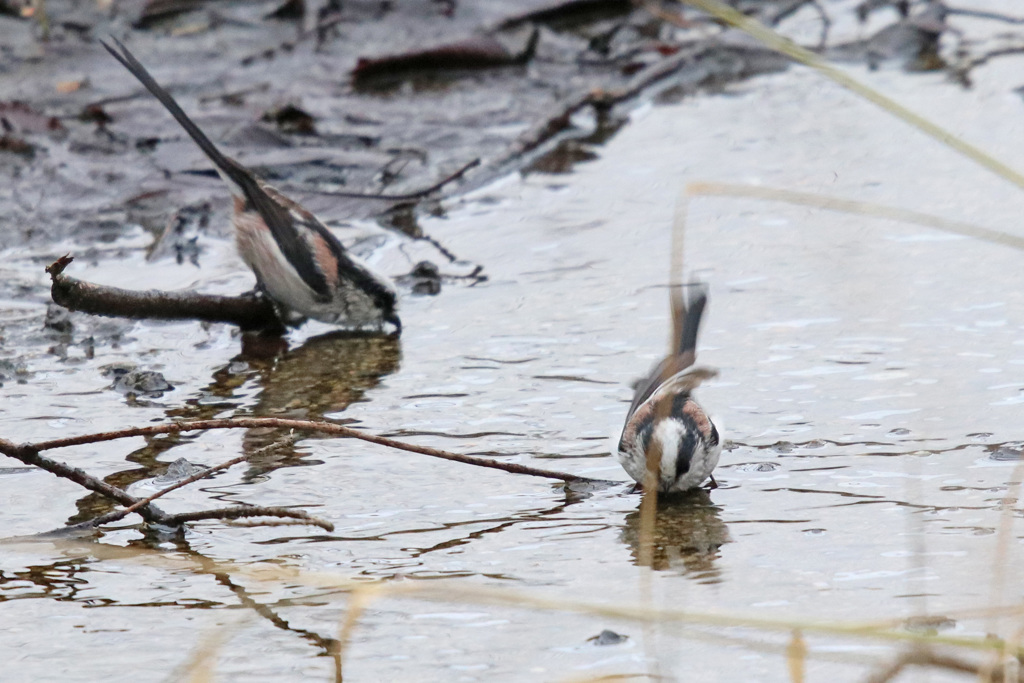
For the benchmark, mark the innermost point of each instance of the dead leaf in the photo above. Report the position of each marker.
(71, 86)
(291, 119)
(20, 118)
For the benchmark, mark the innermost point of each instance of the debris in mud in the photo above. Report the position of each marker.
(580, 55)
(94, 113)
(181, 234)
(20, 118)
(288, 10)
(156, 11)
(572, 15)
(291, 119)
(12, 370)
(9, 143)
(425, 278)
(914, 41)
(579, 58)
(476, 52)
(71, 86)
(867, 7)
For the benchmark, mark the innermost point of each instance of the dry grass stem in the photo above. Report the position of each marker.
(820, 201)
(776, 42)
(796, 657)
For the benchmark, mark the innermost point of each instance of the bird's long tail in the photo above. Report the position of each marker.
(687, 311)
(227, 168)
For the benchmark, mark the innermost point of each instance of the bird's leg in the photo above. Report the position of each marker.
(285, 315)
(712, 485)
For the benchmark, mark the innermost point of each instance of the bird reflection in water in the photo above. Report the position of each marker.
(688, 532)
(323, 376)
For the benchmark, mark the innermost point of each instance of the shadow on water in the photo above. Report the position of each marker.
(688, 534)
(324, 375)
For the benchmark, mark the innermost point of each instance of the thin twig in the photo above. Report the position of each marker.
(963, 71)
(560, 116)
(308, 425)
(246, 511)
(982, 14)
(29, 454)
(114, 516)
(417, 194)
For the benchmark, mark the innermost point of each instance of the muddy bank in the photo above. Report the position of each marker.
(339, 103)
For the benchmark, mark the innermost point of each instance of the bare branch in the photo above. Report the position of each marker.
(134, 507)
(408, 196)
(247, 511)
(29, 455)
(305, 425)
(247, 312)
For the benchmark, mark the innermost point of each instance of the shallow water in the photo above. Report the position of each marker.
(871, 383)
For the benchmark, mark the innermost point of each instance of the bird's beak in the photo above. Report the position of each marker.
(393, 319)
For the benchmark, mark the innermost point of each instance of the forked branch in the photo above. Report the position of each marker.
(31, 454)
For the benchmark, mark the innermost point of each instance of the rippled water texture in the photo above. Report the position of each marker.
(872, 386)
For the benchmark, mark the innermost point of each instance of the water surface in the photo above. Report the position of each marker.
(871, 384)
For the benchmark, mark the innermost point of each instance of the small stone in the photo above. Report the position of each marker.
(178, 470)
(58, 319)
(147, 383)
(607, 637)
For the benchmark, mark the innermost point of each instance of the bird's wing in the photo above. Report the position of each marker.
(279, 217)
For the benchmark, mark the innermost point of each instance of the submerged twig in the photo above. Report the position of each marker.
(604, 99)
(983, 14)
(407, 196)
